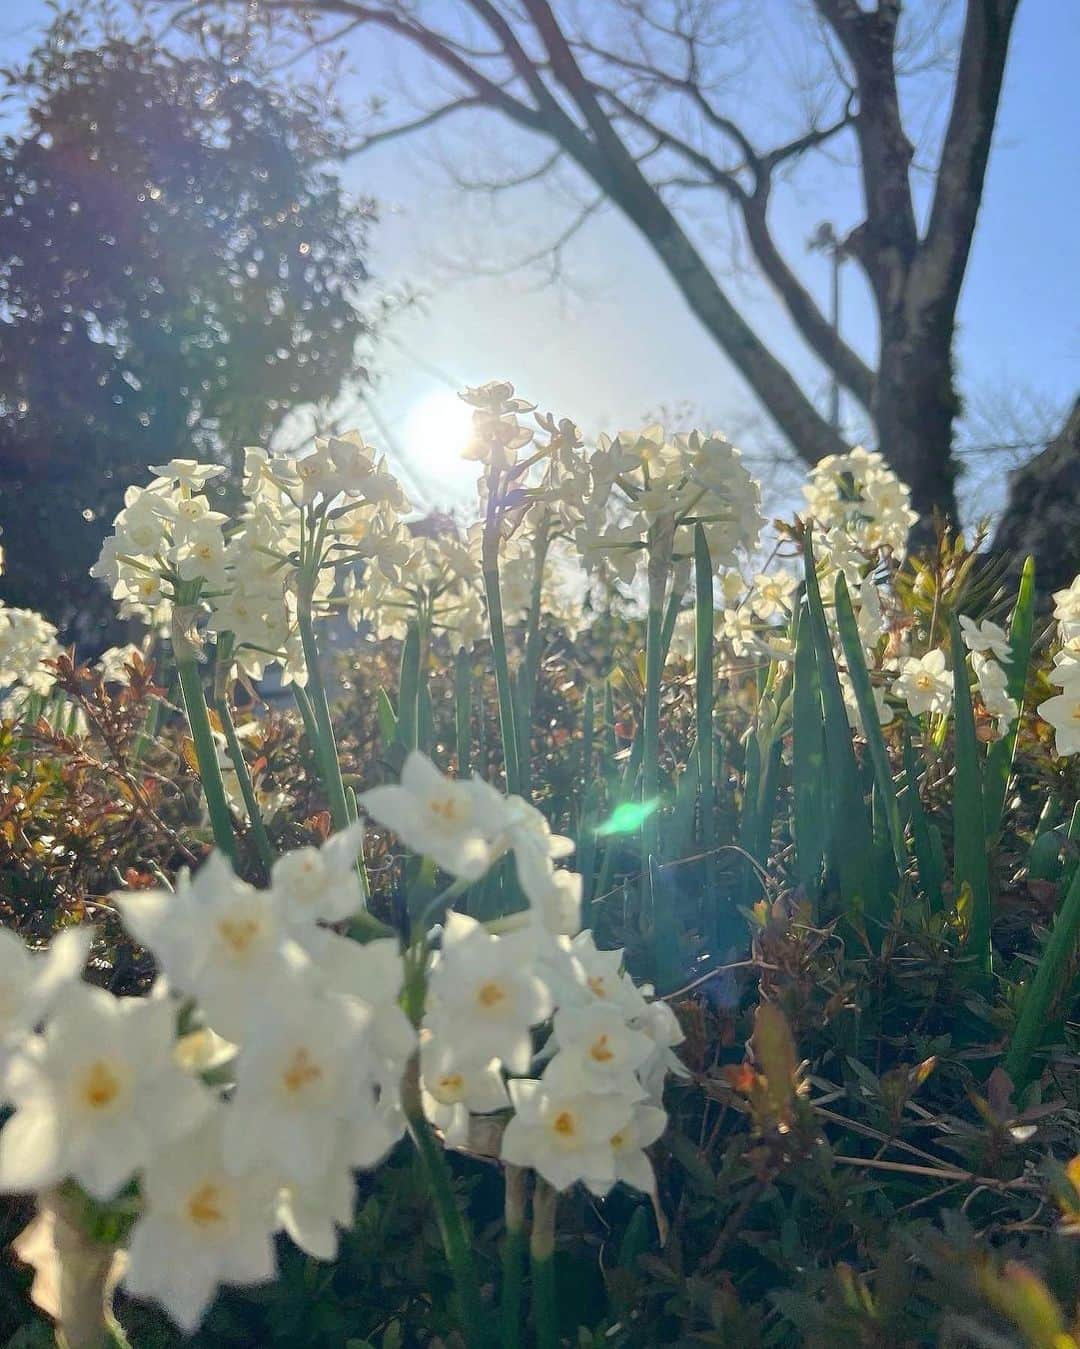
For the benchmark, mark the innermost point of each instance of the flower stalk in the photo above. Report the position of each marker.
(456, 1239)
(515, 1244)
(326, 745)
(666, 939)
(259, 835)
(236, 756)
(542, 1261)
(490, 560)
(202, 735)
(533, 641)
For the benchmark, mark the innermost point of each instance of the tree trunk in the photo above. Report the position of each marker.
(1043, 510)
(914, 409)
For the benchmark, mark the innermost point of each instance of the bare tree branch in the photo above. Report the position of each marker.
(849, 368)
(885, 243)
(417, 124)
(810, 140)
(636, 106)
(943, 256)
(431, 43)
(506, 183)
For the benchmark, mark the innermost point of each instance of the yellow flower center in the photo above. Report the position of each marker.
(491, 994)
(238, 933)
(451, 1084)
(564, 1124)
(100, 1086)
(204, 1205)
(601, 1050)
(923, 681)
(597, 986)
(618, 1141)
(301, 1072)
(446, 809)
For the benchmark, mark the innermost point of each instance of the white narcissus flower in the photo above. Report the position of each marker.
(218, 939)
(628, 1144)
(1067, 610)
(1063, 713)
(27, 641)
(994, 690)
(320, 883)
(30, 981)
(772, 595)
(986, 637)
(199, 548)
(374, 973)
(526, 831)
(737, 626)
(297, 1079)
(483, 989)
(870, 619)
(885, 713)
(455, 1085)
(564, 1133)
(451, 822)
(1066, 669)
(96, 1095)
(662, 1027)
(599, 975)
(372, 1131)
(597, 1049)
(554, 900)
(187, 473)
(200, 1226)
(924, 683)
(312, 1213)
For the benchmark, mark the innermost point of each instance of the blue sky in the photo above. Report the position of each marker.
(616, 343)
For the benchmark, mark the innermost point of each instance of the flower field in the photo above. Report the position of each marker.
(657, 926)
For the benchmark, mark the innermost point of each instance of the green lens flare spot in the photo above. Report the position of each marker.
(627, 818)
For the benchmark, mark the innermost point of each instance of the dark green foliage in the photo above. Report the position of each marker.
(177, 271)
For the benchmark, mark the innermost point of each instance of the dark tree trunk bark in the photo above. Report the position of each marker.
(915, 407)
(1042, 513)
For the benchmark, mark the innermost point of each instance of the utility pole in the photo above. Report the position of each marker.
(826, 240)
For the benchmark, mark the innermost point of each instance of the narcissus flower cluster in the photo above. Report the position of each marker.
(174, 558)
(27, 642)
(271, 1059)
(1063, 710)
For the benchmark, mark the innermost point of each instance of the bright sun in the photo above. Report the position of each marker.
(437, 429)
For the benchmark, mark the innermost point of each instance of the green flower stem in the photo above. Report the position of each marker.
(650, 733)
(409, 687)
(320, 729)
(452, 1226)
(705, 691)
(1045, 989)
(307, 715)
(463, 711)
(247, 790)
(667, 955)
(515, 1243)
(542, 1260)
(198, 717)
(326, 746)
(507, 720)
(533, 644)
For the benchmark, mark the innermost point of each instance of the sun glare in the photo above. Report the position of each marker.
(437, 430)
